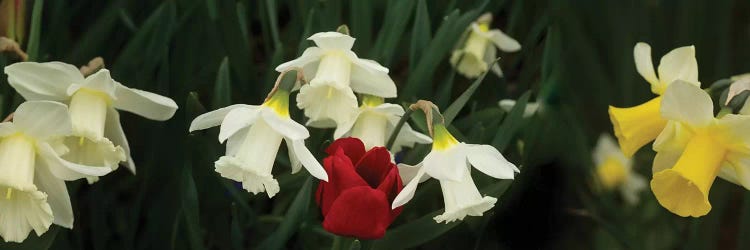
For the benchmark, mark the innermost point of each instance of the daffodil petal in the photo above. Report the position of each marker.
(100, 81)
(644, 64)
(309, 56)
(143, 103)
(733, 130)
(490, 161)
(687, 103)
(490, 55)
(332, 40)
(368, 78)
(679, 64)
(450, 164)
(503, 41)
(407, 137)
(42, 81)
(113, 131)
(214, 118)
(307, 160)
(67, 170)
(7, 128)
(285, 125)
(293, 160)
(43, 119)
(737, 169)
(665, 160)
(605, 148)
(57, 195)
(237, 118)
(407, 193)
(408, 172)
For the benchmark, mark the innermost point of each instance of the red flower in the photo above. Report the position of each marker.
(356, 200)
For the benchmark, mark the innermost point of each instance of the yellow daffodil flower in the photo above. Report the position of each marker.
(615, 171)
(695, 148)
(639, 125)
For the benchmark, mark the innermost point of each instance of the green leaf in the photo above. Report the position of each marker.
(511, 124)
(452, 111)
(223, 86)
(396, 18)
(293, 218)
(420, 35)
(36, 29)
(190, 209)
(361, 24)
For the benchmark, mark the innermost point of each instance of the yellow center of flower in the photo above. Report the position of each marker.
(279, 103)
(611, 173)
(9, 194)
(683, 189)
(484, 27)
(442, 139)
(637, 126)
(371, 101)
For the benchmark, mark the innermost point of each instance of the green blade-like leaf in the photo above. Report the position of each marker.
(452, 111)
(36, 29)
(420, 35)
(223, 87)
(396, 18)
(511, 124)
(293, 218)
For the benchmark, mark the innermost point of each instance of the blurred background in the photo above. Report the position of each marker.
(576, 59)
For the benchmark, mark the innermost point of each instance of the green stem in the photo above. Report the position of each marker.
(399, 125)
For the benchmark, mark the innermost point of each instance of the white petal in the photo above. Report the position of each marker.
(490, 55)
(679, 64)
(57, 195)
(293, 160)
(644, 64)
(367, 77)
(389, 110)
(327, 106)
(674, 137)
(7, 128)
(143, 103)
(307, 159)
(237, 119)
(488, 159)
(332, 40)
(43, 81)
(309, 56)
(214, 118)
(687, 103)
(733, 129)
(632, 188)
(450, 164)
(503, 41)
(408, 172)
(235, 141)
(113, 131)
(100, 81)
(605, 148)
(407, 193)
(346, 127)
(43, 119)
(665, 160)
(284, 125)
(67, 170)
(407, 137)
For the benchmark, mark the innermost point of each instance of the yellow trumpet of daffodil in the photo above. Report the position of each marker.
(639, 125)
(695, 148)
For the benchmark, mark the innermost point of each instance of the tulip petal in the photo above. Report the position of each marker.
(490, 161)
(391, 183)
(644, 64)
(113, 131)
(374, 166)
(309, 56)
(332, 40)
(503, 41)
(67, 170)
(236, 119)
(143, 103)
(360, 212)
(367, 77)
(407, 193)
(100, 81)
(679, 64)
(214, 118)
(341, 176)
(43, 119)
(352, 147)
(57, 195)
(285, 125)
(687, 103)
(43, 81)
(307, 159)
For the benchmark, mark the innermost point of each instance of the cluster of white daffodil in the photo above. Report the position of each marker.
(336, 74)
(693, 146)
(69, 128)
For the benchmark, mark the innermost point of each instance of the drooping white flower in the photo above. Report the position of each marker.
(479, 49)
(335, 72)
(374, 123)
(615, 171)
(450, 162)
(98, 138)
(253, 135)
(32, 188)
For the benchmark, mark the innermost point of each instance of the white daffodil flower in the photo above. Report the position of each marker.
(479, 49)
(374, 123)
(98, 138)
(335, 72)
(253, 135)
(678, 64)
(615, 171)
(531, 107)
(32, 188)
(449, 162)
(695, 148)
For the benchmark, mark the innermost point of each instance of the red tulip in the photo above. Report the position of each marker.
(356, 200)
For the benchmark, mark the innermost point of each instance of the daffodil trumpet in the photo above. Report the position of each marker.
(449, 162)
(254, 134)
(695, 148)
(637, 126)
